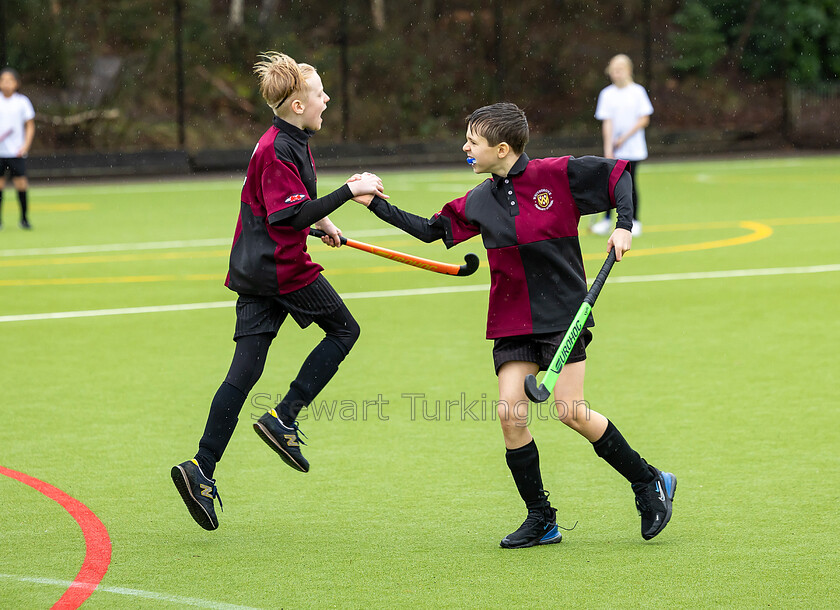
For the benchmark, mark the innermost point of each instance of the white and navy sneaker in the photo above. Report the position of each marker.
(197, 492)
(654, 502)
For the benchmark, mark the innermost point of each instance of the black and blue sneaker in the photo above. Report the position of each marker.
(540, 527)
(654, 502)
(198, 493)
(284, 440)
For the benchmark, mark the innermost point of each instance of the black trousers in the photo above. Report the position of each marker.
(341, 332)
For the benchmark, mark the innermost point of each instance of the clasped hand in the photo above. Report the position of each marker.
(365, 187)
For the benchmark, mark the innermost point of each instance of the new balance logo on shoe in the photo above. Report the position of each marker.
(198, 493)
(283, 439)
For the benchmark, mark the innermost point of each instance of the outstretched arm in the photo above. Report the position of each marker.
(416, 226)
(313, 210)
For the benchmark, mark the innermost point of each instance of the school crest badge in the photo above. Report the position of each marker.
(543, 199)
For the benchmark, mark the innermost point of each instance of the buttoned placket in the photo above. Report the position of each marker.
(508, 196)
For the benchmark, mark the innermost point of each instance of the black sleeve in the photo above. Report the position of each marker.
(624, 202)
(416, 226)
(590, 180)
(312, 210)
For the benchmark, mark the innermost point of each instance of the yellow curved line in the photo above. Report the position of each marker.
(61, 207)
(127, 279)
(110, 258)
(804, 220)
(758, 231)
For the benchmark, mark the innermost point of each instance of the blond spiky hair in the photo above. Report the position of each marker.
(280, 77)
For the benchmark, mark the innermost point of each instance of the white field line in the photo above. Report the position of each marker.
(726, 165)
(711, 275)
(211, 186)
(94, 313)
(158, 245)
(161, 597)
(627, 279)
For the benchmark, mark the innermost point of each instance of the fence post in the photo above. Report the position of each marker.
(647, 54)
(344, 69)
(179, 71)
(4, 55)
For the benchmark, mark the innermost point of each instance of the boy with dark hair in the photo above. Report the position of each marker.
(274, 277)
(527, 214)
(17, 130)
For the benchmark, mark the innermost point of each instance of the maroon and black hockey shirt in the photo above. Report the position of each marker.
(529, 224)
(268, 259)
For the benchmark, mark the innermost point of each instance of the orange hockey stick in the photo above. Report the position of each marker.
(468, 268)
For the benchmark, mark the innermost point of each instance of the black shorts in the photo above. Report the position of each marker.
(16, 166)
(537, 348)
(256, 315)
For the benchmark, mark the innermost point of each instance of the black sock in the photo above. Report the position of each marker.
(524, 464)
(221, 422)
(317, 370)
(1, 204)
(617, 453)
(22, 198)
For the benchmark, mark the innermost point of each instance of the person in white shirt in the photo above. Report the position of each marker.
(17, 129)
(624, 110)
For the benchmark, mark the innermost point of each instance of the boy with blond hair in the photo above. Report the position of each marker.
(624, 110)
(274, 277)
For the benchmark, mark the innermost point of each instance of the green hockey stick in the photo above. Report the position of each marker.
(541, 392)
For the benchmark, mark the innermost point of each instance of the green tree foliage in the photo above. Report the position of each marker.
(36, 48)
(417, 74)
(699, 43)
(797, 38)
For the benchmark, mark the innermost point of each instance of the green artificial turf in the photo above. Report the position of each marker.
(725, 381)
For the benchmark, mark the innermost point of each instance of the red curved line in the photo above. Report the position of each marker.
(97, 541)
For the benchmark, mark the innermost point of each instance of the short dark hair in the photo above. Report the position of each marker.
(11, 71)
(502, 122)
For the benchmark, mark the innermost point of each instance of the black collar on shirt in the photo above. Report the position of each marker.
(518, 168)
(301, 135)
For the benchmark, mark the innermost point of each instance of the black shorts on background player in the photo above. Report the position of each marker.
(15, 167)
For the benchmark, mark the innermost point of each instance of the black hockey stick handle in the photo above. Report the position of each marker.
(320, 233)
(595, 289)
(540, 392)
